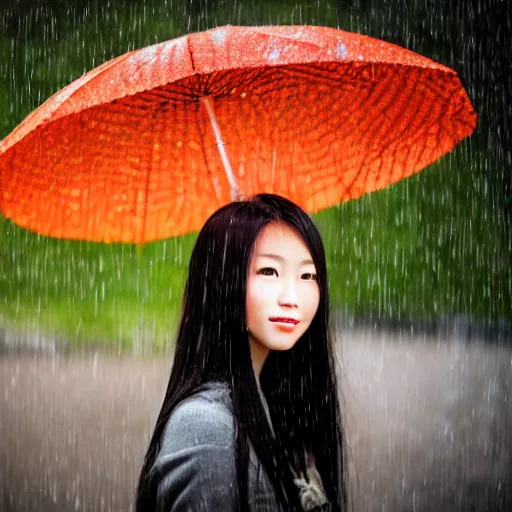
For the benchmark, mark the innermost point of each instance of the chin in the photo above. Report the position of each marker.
(282, 345)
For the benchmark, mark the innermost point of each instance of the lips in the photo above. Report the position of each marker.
(284, 320)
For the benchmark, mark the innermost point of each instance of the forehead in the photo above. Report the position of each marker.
(282, 240)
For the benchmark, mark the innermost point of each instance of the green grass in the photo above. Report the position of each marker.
(118, 294)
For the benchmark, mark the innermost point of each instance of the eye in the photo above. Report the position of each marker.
(268, 271)
(309, 276)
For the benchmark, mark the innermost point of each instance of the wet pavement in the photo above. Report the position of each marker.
(429, 423)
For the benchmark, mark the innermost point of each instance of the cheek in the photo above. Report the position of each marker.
(313, 301)
(250, 307)
(255, 299)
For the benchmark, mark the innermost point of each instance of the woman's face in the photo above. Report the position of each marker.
(282, 290)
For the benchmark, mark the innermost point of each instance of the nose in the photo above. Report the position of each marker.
(288, 294)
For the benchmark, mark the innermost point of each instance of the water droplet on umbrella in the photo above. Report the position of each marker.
(219, 35)
(341, 51)
(274, 55)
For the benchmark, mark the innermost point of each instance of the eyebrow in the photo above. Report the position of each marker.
(280, 258)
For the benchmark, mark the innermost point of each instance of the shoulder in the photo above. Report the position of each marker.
(195, 468)
(205, 418)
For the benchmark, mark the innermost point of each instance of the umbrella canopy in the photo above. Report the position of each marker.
(149, 144)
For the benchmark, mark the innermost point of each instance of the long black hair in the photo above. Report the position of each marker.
(212, 345)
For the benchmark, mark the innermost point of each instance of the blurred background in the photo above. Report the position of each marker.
(420, 279)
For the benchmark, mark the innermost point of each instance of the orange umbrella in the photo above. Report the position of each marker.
(149, 144)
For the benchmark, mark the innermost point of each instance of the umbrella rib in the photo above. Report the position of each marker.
(205, 100)
(235, 190)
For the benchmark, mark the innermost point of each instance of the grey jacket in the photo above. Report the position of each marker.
(196, 466)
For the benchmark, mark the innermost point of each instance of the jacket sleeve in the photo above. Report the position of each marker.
(195, 469)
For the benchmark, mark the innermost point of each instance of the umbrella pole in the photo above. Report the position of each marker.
(235, 189)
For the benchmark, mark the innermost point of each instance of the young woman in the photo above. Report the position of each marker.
(250, 418)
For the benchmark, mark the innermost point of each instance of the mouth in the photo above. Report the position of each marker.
(284, 320)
